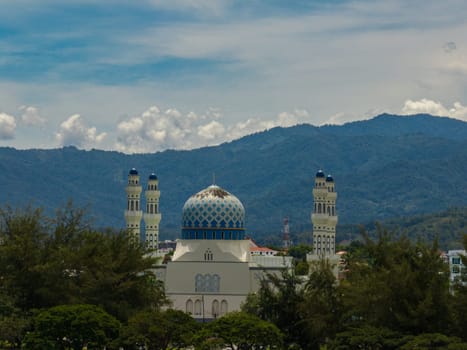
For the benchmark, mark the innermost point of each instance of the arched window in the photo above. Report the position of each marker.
(215, 308)
(198, 307)
(224, 307)
(136, 205)
(132, 205)
(333, 211)
(319, 208)
(329, 210)
(189, 306)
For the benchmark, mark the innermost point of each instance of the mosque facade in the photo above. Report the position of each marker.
(215, 266)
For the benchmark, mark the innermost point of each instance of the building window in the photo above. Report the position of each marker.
(198, 307)
(215, 308)
(189, 306)
(208, 256)
(224, 307)
(207, 283)
(456, 261)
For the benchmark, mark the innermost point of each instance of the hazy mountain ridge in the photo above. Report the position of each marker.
(388, 166)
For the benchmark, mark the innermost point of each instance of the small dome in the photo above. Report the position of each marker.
(329, 178)
(153, 177)
(133, 171)
(320, 173)
(213, 213)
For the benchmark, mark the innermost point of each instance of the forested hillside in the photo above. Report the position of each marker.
(386, 167)
(448, 227)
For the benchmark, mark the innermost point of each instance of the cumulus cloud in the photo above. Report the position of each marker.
(74, 131)
(7, 126)
(30, 116)
(156, 130)
(424, 105)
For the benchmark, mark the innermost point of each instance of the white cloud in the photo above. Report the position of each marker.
(30, 116)
(74, 131)
(7, 126)
(156, 130)
(424, 105)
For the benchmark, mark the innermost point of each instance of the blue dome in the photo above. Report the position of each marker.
(329, 178)
(133, 171)
(213, 213)
(153, 177)
(320, 173)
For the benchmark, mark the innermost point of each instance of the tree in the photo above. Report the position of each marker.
(400, 285)
(72, 326)
(279, 301)
(159, 330)
(368, 338)
(459, 301)
(46, 262)
(321, 307)
(13, 322)
(23, 236)
(243, 331)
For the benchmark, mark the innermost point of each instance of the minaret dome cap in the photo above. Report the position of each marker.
(133, 171)
(329, 178)
(153, 177)
(320, 173)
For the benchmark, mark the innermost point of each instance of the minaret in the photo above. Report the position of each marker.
(324, 220)
(133, 213)
(152, 216)
(324, 216)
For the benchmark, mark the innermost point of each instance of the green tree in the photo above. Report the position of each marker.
(13, 322)
(399, 285)
(279, 301)
(46, 262)
(321, 307)
(368, 338)
(72, 327)
(243, 331)
(432, 341)
(159, 330)
(459, 301)
(23, 237)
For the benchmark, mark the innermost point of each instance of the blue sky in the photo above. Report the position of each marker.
(148, 75)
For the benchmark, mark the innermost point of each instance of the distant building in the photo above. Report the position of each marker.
(324, 220)
(456, 267)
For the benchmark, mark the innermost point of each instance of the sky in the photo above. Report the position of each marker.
(149, 75)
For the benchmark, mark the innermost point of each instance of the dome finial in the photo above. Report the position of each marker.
(214, 178)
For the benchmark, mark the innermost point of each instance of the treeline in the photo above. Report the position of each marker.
(395, 294)
(66, 286)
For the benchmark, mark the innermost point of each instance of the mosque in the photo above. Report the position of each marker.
(215, 266)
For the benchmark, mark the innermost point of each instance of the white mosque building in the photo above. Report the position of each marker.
(213, 268)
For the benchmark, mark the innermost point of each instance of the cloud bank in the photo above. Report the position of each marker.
(7, 126)
(156, 130)
(436, 108)
(74, 132)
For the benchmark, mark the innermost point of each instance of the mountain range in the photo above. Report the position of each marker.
(389, 166)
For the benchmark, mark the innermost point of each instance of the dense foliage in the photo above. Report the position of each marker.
(65, 286)
(395, 294)
(385, 167)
